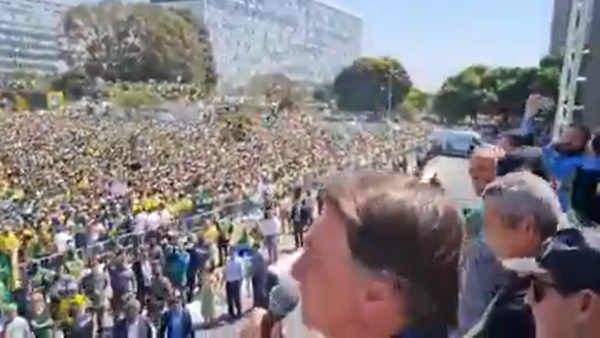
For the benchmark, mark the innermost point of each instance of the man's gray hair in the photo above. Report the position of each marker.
(520, 194)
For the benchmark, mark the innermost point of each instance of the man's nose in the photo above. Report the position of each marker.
(298, 266)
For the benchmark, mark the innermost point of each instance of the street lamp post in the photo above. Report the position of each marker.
(389, 93)
(388, 89)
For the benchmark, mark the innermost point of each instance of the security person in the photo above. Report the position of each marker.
(563, 157)
(585, 197)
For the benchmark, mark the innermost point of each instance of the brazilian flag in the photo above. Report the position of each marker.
(268, 119)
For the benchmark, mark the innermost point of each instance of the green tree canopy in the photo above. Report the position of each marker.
(464, 94)
(369, 82)
(74, 83)
(495, 91)
(137, 42)
(132, 98)
(416, 99)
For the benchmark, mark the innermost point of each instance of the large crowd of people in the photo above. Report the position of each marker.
(133, 220)
(100, 213)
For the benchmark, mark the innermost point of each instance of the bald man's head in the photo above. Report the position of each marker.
(482, 166)
(488, 152)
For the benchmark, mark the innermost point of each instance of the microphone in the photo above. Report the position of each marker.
(283, 299)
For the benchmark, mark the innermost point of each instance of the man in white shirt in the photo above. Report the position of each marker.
(15, 326)
(63, 241)
(233, 272)
(140, 222)
(165, 218)
(154, 221)
(269, 228)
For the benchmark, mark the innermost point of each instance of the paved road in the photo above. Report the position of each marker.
(293, 323)
(453, 174)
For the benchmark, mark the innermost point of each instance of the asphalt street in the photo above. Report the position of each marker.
(452, 172)
(454, 175)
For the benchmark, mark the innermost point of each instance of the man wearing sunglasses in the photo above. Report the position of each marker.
(564, 289)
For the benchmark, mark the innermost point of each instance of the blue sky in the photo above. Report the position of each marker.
(436, 38)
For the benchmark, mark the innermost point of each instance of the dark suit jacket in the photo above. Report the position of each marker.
(137, 270)
(85, 330)
(120, 328)
(508, 315)
(296, 214)
(188, 328)
(585, 197)
(306, 213)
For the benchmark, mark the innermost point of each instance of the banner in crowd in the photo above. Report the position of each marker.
(55, 100)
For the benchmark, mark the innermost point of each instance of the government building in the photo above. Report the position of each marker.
(29, 35)
(305, 40)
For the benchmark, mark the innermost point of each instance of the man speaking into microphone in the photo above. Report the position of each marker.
(381, 261)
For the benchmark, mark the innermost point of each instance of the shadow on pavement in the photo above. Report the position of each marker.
(220, 321)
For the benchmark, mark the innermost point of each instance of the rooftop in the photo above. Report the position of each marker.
(339, 6)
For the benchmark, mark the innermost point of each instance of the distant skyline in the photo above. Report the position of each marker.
(435, 39)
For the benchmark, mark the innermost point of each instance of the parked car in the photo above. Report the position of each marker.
(455, 143)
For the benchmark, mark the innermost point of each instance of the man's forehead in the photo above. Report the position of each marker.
(486, 155)
(328, 230)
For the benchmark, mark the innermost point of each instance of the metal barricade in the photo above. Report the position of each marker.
(128, 242)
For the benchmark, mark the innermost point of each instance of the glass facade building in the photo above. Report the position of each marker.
(304, 39)
(28, 35)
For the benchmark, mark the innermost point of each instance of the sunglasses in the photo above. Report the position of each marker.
(539, 289)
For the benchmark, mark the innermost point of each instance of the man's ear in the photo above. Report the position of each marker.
(585, 306)
(528, 224)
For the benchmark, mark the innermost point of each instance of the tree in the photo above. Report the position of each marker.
(137, 42)
(133, 98)
(464, 94)
(547, 80)
(73, 83)
(496, 91)
(371, 84)
(416, 99)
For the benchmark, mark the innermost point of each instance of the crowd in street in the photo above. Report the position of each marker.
(105, 217)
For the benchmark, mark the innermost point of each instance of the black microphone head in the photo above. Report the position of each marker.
(283, 299)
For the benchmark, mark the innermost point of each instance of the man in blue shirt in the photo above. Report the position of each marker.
(177, 322)
(177, 266)
(563, 156)
(199, 255)
(258, 275)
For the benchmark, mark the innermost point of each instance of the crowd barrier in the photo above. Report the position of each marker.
(240, 212)
(127, 243)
